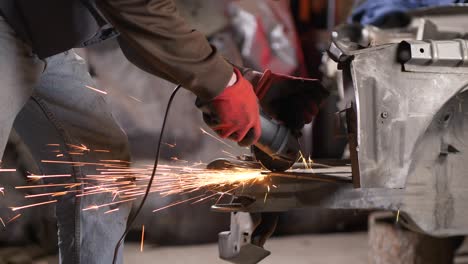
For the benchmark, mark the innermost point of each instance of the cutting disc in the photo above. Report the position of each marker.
(270, 163)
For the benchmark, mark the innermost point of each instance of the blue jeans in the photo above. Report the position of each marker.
(58, 108)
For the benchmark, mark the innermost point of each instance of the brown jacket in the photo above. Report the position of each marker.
(156, 38)
(152, 35)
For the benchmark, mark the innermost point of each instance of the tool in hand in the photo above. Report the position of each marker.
(287, 103)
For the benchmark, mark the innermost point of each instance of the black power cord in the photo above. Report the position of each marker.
(150, 183)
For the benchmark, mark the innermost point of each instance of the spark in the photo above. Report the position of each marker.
(111, 211)
(80, 147)
(96, 207)
(136, 99)
(125, 184)
(304, 161)
(74, 163)
(37, 177)
(7, 170)
(96, 90)
(142, 238)
(117, 161)
(170, 145)
(53, 145)
(177, 159)
(59, 194)
(209, 196)
(59, 155)
(102, 150)
(3, 223)
(397, 217)
(177, 203)
(38, 195)
(214, 137)
(32, 205)
(71, 185)
(13, 218)
(266, 194)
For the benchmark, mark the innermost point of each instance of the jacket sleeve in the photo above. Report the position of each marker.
(155, 37)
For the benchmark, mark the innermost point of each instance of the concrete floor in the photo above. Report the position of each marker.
(340, 248)
(317, 249)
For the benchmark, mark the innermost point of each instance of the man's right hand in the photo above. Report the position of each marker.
(235, 113)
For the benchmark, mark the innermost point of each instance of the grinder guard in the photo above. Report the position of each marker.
(280, 97)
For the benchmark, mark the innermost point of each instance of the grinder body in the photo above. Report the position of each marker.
(281, 97)
(278, 148)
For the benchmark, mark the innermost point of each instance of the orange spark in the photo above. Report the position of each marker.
(49, 185)
(111, 211)
(214, 137)
(102, 150)
(96, 90)
(170, 145)
(136, 99)
(34, 176)
(142, 238)
(107, 204)
(7, 170)
(32, 205)
(13, 219)
(177, 203)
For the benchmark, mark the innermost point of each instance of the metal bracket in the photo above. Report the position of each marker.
(235, 245)
(443, 56)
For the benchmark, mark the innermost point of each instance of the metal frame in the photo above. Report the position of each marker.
(407, 123)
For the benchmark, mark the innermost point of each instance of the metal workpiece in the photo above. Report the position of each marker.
(406, 107)
(408, 135)
(442, 56)
(394, 108)
(238, 245)
(282, 191)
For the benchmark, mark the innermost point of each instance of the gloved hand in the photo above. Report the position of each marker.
(234, 114)
(291, 100)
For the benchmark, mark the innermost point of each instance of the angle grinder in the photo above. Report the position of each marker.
(278, 147)
(281, 96)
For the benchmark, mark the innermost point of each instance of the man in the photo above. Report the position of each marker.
(36, 64)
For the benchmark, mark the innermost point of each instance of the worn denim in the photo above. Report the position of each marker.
(56, 107)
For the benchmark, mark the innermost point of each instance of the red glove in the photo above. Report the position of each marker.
(291, 100)
(235, 114)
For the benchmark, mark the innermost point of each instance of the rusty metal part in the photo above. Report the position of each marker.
(391, 243)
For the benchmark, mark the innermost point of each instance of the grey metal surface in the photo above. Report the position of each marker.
(449, 56)
(394, 109)
(236, 245)
(407, 120)
(410, 133)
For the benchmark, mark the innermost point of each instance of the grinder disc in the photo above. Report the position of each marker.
(269, 163)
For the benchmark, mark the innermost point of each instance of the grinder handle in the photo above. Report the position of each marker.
(277, 140)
